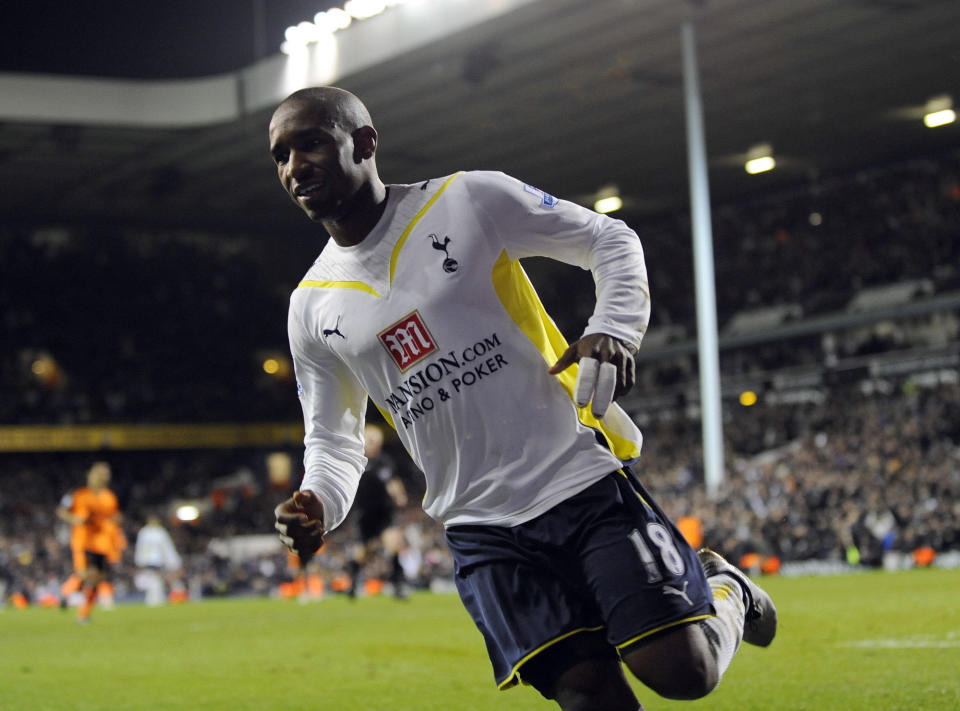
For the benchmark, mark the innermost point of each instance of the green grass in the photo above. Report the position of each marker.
(854, 643)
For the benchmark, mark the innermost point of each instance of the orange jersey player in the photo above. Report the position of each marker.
(96, 538)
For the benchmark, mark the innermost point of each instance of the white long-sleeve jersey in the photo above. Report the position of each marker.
(432, 316)
(155, 549)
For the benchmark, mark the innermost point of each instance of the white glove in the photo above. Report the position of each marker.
(596, 383)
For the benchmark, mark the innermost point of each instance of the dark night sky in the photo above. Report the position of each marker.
(140, 39)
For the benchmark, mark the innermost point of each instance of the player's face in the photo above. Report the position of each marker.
(99, 476)
(317, 162)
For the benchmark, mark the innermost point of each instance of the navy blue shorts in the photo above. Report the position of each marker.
(606, 567)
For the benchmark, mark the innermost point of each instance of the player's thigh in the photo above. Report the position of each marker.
(97, 566)
(532, 619)
(79, 561)
(643, 575)
(392, 539)
(581, 672)
(371, 524)
(588, 685)
(677, 663)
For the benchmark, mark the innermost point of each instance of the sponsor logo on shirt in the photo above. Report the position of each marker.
(408, 340)
(446, 376)
(546, 199)
(450, 265)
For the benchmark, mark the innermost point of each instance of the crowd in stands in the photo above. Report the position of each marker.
(143, 327)
(856, 473)
(120, 325)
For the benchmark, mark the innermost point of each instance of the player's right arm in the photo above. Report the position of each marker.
(66, 511)
(334, 408)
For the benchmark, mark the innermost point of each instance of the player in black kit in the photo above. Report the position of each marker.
(379, 495)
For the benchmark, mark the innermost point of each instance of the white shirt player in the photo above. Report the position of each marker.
(155, 549)
(432, 316)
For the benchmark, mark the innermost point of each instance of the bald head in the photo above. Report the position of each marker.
(331, 106)
(324, 144)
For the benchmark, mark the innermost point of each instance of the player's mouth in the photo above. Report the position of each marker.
(306, 191)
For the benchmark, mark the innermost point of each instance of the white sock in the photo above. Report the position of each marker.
(725, 630)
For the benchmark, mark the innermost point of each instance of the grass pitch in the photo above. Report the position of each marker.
(866, 642)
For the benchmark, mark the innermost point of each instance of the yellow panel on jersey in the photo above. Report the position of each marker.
(416, 218)
(358, 285)
(519, 298)
(386, 415)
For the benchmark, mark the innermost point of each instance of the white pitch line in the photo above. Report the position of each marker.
(905, 643)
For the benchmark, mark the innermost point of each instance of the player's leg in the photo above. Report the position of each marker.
(358, 557)
(520, 587)
(75, 581)
(678, 664)
(759, 619)
(392, 541)
(150, 580)
(676, 631)
(105, 593)
(581, 673)
(92, 577)
(370, 525)
(743, 612)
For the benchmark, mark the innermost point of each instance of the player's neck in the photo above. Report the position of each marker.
(360, 216)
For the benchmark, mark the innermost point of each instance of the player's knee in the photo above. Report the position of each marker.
(681, 666)
(693, 678)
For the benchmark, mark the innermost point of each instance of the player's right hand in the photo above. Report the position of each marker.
(300, 524)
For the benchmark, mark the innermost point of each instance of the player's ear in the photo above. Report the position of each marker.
(364, 143)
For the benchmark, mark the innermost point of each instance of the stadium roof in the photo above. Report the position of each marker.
(566, 94)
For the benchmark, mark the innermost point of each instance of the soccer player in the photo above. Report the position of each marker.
(566, 564)
(96, 538)
(379, 493)
(156, 557)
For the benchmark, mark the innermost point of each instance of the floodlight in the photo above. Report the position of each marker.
(611, 203)
(325, 23)
(760, 165)
(339, 19)
(939, 111)
(362, 9)
(309, 31)
(188, 512)
(760, 159)
(271, 366)
(939, 118)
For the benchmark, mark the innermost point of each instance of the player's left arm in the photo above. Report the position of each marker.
(540, 225)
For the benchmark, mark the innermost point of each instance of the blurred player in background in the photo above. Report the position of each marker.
(157, 560)
(379, 494)
(96, 538)
(418, 300)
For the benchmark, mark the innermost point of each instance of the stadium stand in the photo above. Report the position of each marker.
(858, 461)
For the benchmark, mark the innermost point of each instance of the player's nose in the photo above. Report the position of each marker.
(299, 165)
